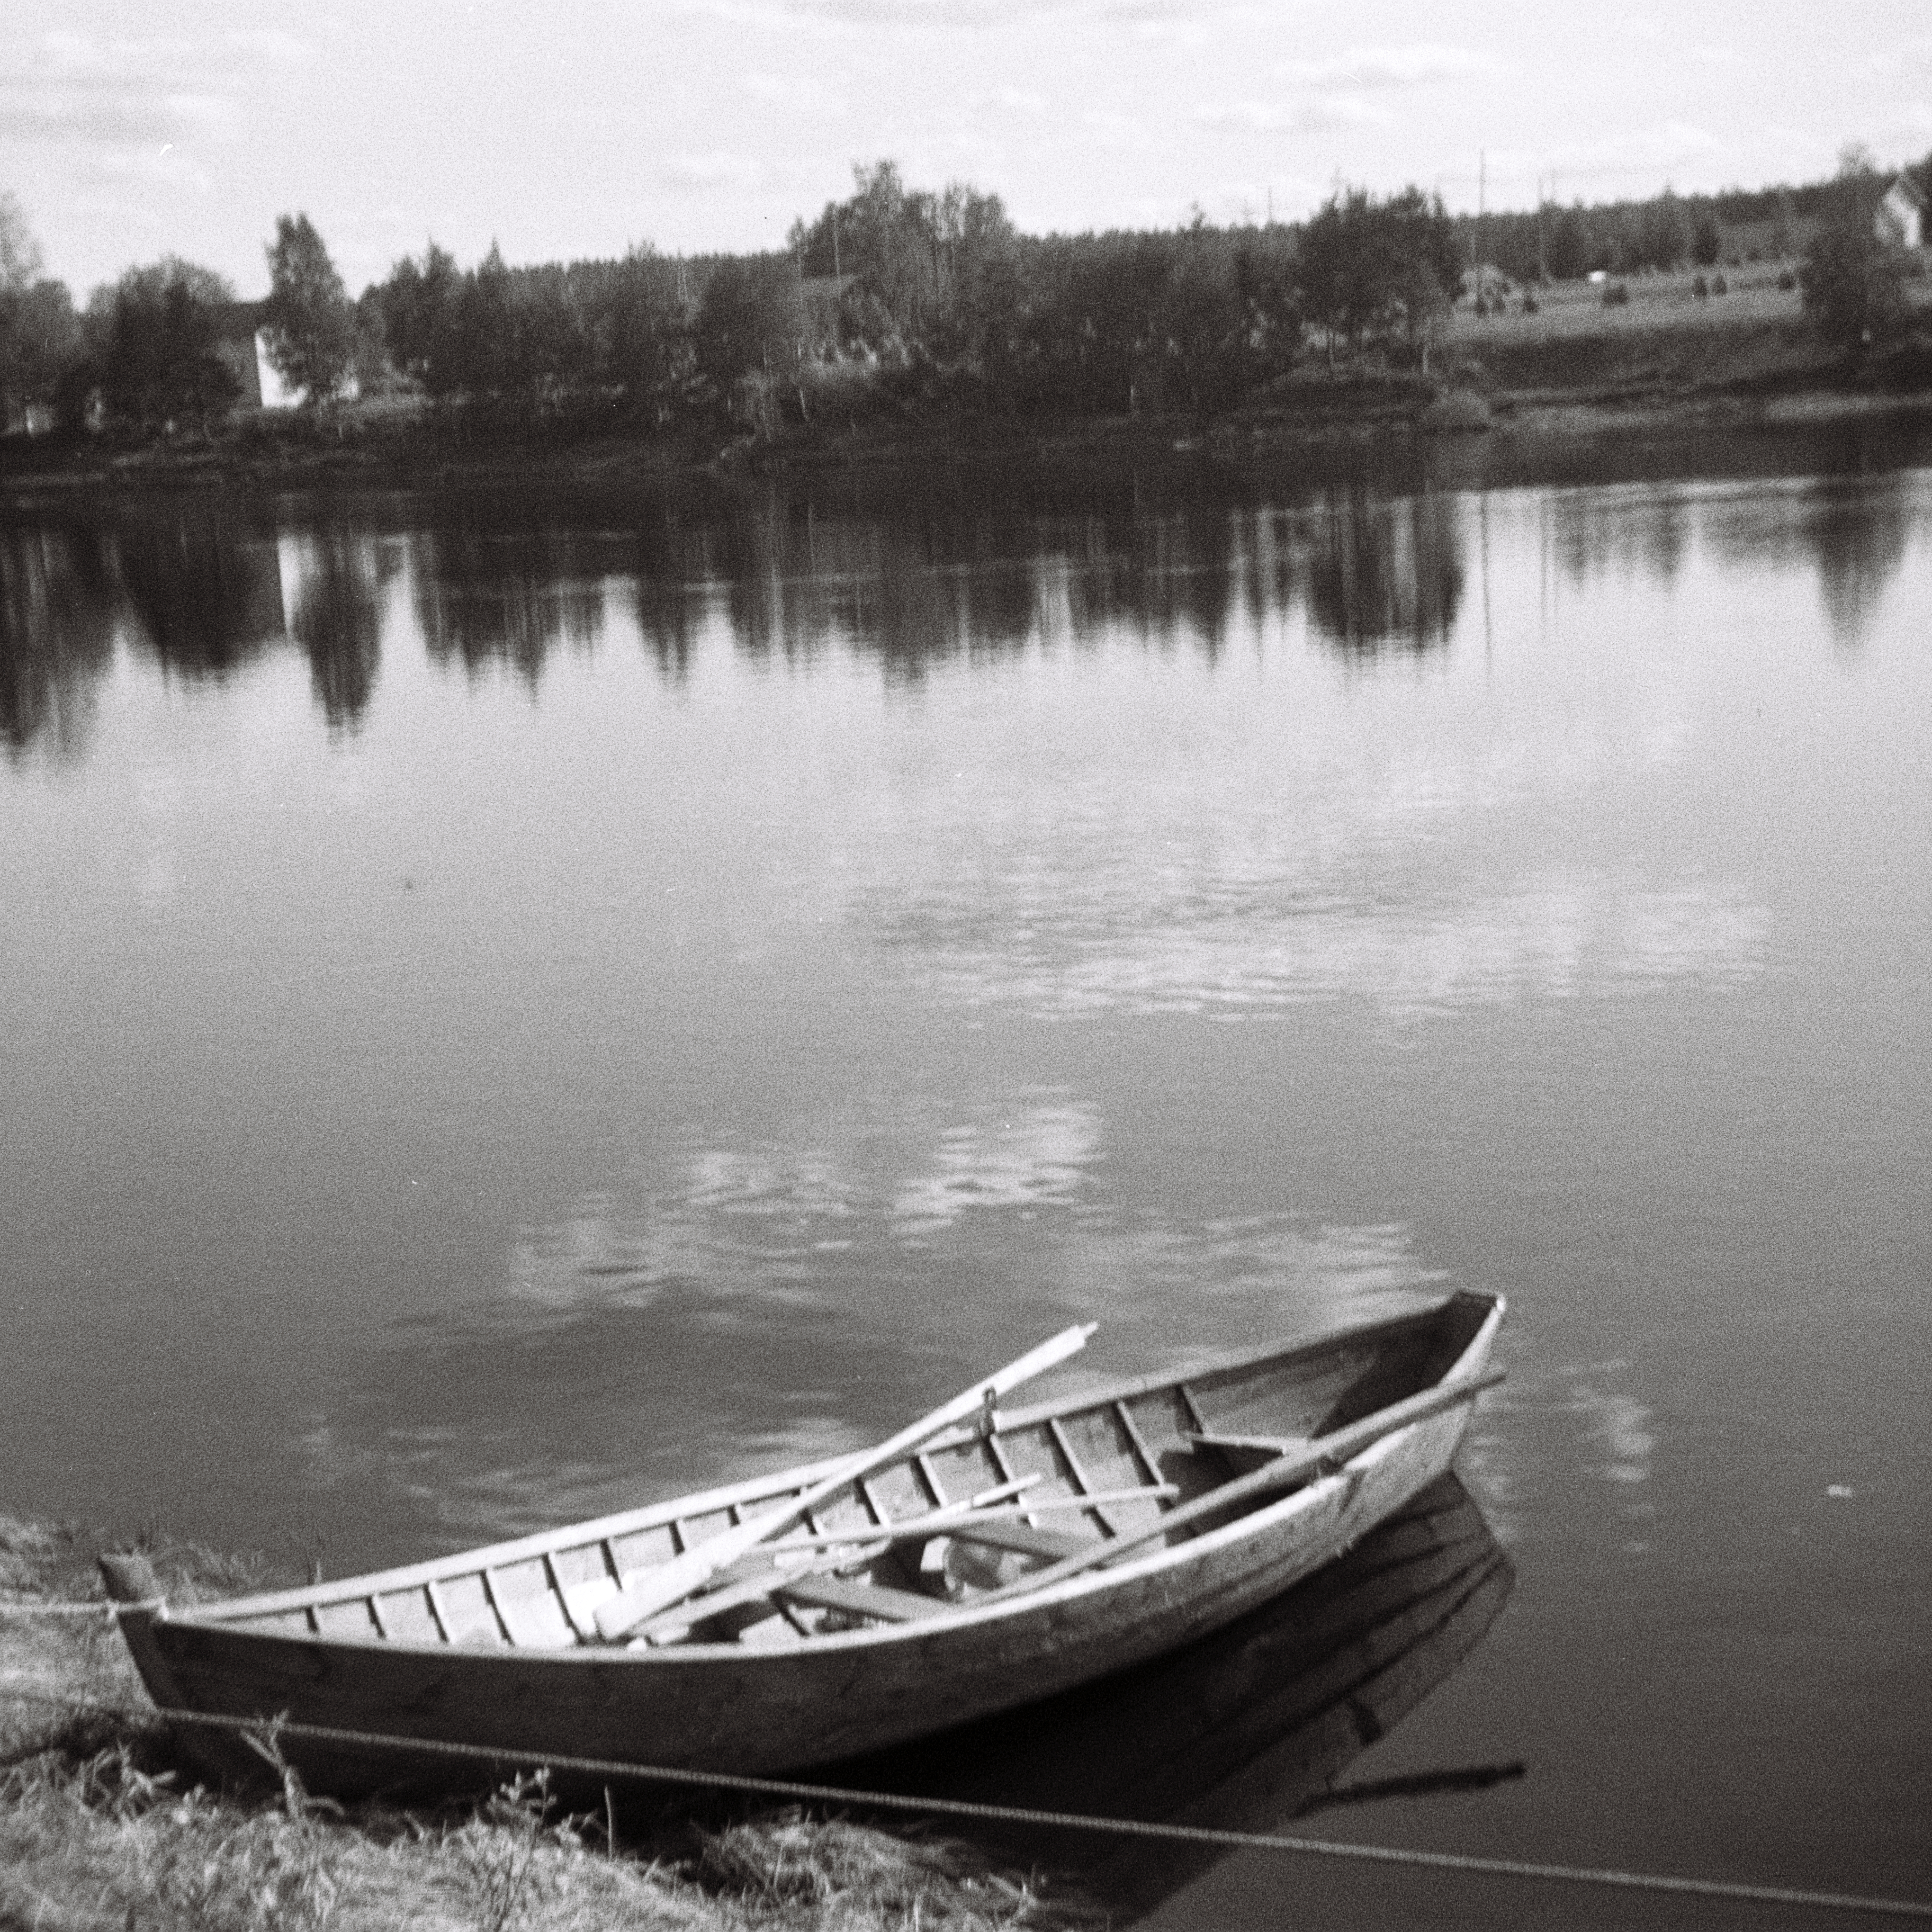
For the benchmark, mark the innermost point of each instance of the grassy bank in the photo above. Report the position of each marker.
(100, 1827)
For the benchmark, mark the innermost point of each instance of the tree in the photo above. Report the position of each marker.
(420, 305)
(750, 320)
(19, 253)
(1419, 254)
(1707, 240)
(976, 299)
(1663, 235)
(1368, 266)
(1569, 248)
(40, 334)
(163, 330)
(310, 325)
(40, 341)
(1854, 284)
(641, 327)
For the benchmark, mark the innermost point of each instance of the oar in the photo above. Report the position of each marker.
(1282, 1473)
(838, 1551)
(670, 1582)
(753, 1576)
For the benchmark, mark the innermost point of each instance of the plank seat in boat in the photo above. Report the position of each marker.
(1027, 1539)
(877, 1600)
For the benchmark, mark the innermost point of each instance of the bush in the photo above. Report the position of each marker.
(1700, 290)
(1719, 286)
(1786, 280)
(1616, 294)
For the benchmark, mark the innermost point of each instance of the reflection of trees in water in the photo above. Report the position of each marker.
(1857, 530)
(1385, 570)
(1155, 574)
(1595, 531)
(333, 582)
(931, 585)
(906, 583)
(934, 580)
(507, 596)
(57, 597)
(204, 585)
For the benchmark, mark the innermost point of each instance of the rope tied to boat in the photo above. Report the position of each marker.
(612, 1769)
(85, 1606)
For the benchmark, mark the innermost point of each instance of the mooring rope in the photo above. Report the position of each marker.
(48, 1606)
(615, 1769)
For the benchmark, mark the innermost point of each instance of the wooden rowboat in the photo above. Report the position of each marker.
(1112, 1526)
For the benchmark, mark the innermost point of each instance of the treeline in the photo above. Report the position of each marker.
(891, 296)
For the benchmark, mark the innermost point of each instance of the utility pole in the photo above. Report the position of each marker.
(1482, 211)
(835, 240)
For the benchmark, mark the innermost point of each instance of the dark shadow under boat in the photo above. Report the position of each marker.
(1243, 1731)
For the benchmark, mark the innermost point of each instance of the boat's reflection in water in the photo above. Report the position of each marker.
(1243, 1731)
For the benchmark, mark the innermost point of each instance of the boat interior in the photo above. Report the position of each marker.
(977, 1510)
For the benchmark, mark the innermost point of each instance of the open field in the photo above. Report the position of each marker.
(1752, 296)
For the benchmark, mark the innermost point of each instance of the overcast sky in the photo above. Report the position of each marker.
(128, 132)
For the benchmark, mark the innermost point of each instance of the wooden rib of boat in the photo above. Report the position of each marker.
(1122, 1523)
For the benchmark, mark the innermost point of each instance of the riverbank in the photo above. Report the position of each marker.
(1520, 383)
(100, 1828)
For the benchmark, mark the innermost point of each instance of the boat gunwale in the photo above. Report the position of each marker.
(474, 1561)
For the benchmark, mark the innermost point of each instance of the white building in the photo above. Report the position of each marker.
(1899, 218)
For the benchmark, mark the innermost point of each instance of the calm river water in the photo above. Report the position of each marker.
(516, 1006)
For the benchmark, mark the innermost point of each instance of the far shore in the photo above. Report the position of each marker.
(282, 451)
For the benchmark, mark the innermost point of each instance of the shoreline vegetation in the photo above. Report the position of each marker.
(101, 1827)
(902, 325)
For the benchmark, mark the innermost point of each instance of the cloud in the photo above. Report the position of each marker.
(1657, 150)
(1192, 19)
(93, 115)
(977, 14)
(1340, 95)
(1425, 63)
(69, 90)
(270, 44)
(1011, 101)
(712, 171)
(796, 91)
(1034, 1156)
(1112, 129)
(1342, 113)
